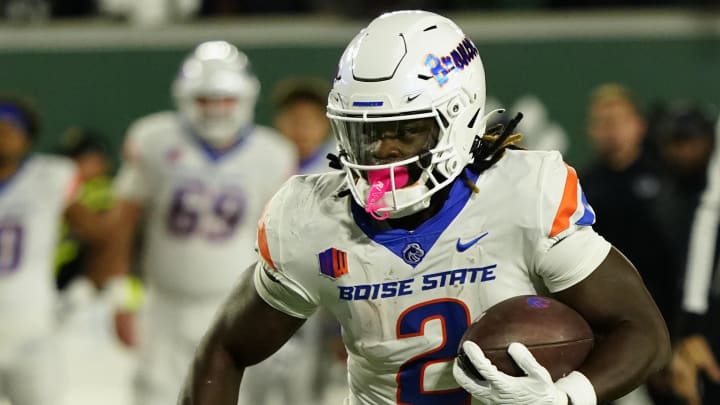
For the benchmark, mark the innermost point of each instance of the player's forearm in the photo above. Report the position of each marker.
(214, 379)
(92, 227)
(625, 357)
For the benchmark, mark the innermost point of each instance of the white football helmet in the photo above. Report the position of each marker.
(407, 68)
(216, 70)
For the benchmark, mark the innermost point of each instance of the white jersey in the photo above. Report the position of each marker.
(703, 238)
(404, 298)
(201, 209)
(32, 204)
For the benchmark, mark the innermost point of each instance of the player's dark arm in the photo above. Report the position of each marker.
(633, 340)
(110, 234)
(92, 227)
(246, 331)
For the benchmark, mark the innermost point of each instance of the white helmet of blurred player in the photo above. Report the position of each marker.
(216, 92)
(415, 70)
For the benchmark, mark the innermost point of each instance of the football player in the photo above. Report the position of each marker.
(196, 180)
(36, 192)
(429, 224)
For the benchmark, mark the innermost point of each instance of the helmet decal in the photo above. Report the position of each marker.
(461, 56)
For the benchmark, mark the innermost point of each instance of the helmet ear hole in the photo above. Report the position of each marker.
(454, 107)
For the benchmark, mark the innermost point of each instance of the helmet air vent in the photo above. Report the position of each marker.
(471, 123)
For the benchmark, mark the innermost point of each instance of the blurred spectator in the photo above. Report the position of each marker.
(157, 12)
(300, 116)
(624, 184)
(194, 181)
(683, 136)
(25, 11)
(696, 374)
(151, 12)
(613, 3)
(36, 193)
(73, 8)
(228, 7)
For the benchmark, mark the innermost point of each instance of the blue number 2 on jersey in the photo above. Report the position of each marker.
(455, 318)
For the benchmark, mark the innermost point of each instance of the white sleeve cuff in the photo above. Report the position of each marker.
(578, 389)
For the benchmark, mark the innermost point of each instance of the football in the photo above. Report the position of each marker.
(555, 334)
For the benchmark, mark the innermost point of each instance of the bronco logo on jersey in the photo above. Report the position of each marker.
(413, 253)
(333, 263)
(461, 56)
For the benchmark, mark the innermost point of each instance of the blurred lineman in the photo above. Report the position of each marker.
(36, 193)
(196, 180)
(431, 221)
(695, 367)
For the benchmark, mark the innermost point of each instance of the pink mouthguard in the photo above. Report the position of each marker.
(379, 185)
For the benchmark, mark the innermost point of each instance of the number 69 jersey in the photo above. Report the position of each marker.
(404, 298)
(200, 207)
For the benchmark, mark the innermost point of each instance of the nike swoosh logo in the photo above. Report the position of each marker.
(461, 247)
(411, 98)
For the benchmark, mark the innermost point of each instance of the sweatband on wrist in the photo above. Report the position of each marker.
(125, 292)
(578, 389)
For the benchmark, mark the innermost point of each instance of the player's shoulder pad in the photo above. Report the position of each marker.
(305, 194)
(563, 204)
(54, 163)
(527, 171)
(147, 131)
(295, 211)
(54, 168)
(273, 139)
(151, 125)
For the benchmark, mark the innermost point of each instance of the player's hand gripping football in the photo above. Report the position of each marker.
(498, 388)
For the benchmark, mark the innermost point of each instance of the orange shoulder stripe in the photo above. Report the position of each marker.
(263, 244)
(568, 203)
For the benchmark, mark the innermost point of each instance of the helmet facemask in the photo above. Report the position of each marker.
(216, 119)
(391, 166)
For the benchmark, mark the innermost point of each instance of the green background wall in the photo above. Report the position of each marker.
(108, 89)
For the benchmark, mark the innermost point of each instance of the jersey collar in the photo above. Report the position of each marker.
(412, 246)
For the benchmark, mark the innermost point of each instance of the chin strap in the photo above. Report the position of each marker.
(334, 161)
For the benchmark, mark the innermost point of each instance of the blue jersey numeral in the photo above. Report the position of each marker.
(11, 246)
(455, 318)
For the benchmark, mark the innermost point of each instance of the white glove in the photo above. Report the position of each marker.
(536, 388)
